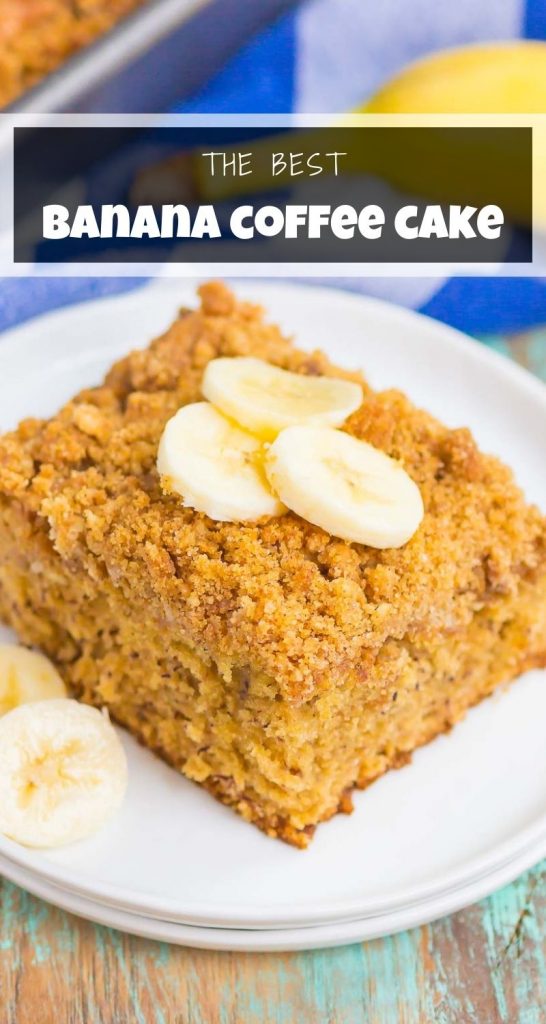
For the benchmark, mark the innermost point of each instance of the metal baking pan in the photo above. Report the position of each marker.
(157, 56)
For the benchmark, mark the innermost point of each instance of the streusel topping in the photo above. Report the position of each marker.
(280, 595)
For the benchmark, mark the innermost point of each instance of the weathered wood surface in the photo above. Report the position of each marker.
(485, 965)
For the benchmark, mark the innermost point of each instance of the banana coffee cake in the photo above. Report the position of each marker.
(36, 36)
(276, 662)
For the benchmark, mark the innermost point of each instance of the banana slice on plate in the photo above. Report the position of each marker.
(265, 399)
(346, 486)
(26, 676)
(215, 466)
(63, 772)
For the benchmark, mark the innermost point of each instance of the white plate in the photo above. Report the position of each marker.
(463, 809)
(273, 940)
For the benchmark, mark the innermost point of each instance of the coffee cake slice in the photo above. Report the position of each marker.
(277, 666)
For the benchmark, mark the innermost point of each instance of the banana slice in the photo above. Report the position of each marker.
(265, 399)
(215, 466)
(63, 772)
(26, 676)
(346, 486)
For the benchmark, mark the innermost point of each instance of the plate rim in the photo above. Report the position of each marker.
(160, 909)
(341, 909)
(290, 939)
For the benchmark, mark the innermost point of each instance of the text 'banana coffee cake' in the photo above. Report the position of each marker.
(278, 579)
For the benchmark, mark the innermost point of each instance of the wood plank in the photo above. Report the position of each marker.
(485, 965)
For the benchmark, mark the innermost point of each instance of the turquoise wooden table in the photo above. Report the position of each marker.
(486, 965)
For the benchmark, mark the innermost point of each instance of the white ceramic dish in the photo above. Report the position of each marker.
(463, 810)
(271, 940)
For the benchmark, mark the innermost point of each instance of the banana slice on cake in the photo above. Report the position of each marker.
(26, 676)
(265, 399)
(215, 466)
(63, 772)
(346, 486)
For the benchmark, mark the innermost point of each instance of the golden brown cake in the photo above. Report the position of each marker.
(277, 666)
(36, 36)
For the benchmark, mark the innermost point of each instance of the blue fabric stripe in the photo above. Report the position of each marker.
(258, 79)
(482, 304)
(23, 298)
(534, 24)
(474, 305)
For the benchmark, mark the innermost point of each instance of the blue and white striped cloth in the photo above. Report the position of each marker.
(329, 55)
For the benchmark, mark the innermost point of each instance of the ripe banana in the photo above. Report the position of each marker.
(63, 772)
(265, 399)
(487, 78)
(215, 466)
(347, 487)
(26, 676)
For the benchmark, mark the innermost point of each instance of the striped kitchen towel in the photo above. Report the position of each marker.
(330, 55)
(327, 56)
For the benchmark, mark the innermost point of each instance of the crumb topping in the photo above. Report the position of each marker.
(38, 35)
(279, 595)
